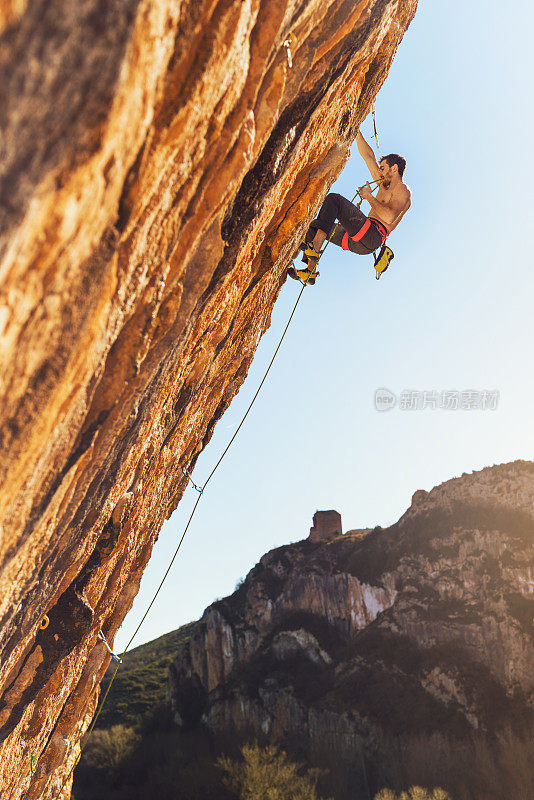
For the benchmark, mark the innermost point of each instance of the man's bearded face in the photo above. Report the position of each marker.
(386, 172)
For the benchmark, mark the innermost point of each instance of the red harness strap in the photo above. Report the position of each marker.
(357, 236)
(382, 230)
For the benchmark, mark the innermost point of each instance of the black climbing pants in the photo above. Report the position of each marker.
(351, 221)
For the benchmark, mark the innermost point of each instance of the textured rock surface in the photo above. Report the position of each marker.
(424, 626)
(160, 162)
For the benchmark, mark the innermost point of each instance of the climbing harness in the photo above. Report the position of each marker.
(374, 127)
(199, 489)
(115, 657)
(45, 622)
(290, 42)
(385, 254)
(382, 260)
(357, 236)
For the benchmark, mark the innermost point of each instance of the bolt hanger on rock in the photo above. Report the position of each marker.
(290, 42)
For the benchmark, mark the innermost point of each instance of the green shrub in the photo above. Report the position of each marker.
(415, 793)
(266, 773)
(107, 749)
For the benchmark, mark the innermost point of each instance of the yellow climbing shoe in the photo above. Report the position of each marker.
(305, 276)
(311, 252)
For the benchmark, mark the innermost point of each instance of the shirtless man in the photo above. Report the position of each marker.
(356, 232)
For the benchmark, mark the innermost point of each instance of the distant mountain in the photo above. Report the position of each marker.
(338, 640)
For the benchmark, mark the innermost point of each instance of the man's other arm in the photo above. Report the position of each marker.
(366, 152)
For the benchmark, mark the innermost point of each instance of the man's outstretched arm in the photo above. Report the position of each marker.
(366, 152)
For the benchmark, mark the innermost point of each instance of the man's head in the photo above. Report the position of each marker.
(391, 165)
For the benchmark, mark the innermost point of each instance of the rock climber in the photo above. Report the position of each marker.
(357, 232)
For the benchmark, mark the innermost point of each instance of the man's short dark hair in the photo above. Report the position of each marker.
(395, 158)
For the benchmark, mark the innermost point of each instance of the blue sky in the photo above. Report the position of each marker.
(453, 313)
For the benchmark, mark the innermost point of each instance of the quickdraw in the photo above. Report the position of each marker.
(115, 657)
(186, 474)
(374, 127)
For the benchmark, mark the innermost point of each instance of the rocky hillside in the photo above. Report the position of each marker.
(160, 162)
(423, 627)
(140, 685)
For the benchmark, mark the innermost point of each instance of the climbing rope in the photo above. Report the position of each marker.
(200, 490)
(359, 203)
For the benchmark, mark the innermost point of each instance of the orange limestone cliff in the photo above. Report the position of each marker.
(160, 162)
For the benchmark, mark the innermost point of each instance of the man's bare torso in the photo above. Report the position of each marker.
(393, 198)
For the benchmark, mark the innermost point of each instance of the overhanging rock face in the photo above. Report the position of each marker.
(160, 162)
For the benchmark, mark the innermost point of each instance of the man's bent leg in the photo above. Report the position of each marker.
(350, 216)
(330, 211)
(324, 224)
(336, 206)
(318, 240)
